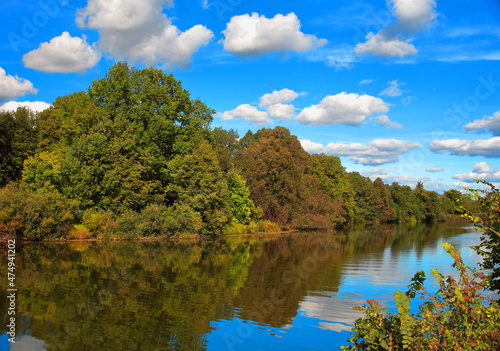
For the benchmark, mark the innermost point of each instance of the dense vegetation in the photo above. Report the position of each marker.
(458, 316)
(135, 156)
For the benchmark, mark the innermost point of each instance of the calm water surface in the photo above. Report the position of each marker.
(288, 292)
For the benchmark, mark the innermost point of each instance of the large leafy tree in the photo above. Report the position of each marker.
(18, 138)
(281, 181)
(136, 138)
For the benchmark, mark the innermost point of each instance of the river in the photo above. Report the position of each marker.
(282, 292)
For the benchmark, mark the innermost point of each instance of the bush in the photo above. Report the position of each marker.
(79, 232)
(455, 318)
(100, 223)
(254, 227)
(488, 222)
(35, 215)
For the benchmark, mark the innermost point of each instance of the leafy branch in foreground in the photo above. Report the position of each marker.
(489, 224)
(455, 318)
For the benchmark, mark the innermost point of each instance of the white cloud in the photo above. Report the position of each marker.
(376, 152)
(490, 123)
(434, 170)
(278, 96)
(412, 16)
(140, 32)
(481, 171)
(12, 86)
(379, 45)
(249, 113)
(311, 146)
(281, 111)
(351, 109)
(37, 106)
(385, 121)
(252, 36)
(481, 147)
(63, 54)
(393, 89)
(275, 103)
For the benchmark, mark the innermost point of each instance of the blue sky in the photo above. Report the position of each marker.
(405, 90)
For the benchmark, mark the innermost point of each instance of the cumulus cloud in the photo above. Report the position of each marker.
(386, 121)
(63, 54)
(311, 146)
(249, 113)
(489, 123)
(140, 32)
(278, 96)
(281, 111)
(481, 171)
(376, 152)
(12, 86)
(37, 106)
(434, 170)
(412, 16)
(481, 147)
(351, 109)
(255, 35)
(276, 103)
(379, 45)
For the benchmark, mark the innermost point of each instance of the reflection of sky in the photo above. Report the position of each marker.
(324, 318)
(23, 343)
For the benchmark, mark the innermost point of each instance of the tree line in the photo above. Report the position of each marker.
(136, 156)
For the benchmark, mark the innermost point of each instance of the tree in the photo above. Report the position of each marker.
(335, 182)
(382, 201)
(227, 145)
(429, 202)
(242, 206)
(364, 208)
(196, 180)
(281, 182)
(18, 139)
(404, 203)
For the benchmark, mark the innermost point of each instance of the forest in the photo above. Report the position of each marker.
(135, 156)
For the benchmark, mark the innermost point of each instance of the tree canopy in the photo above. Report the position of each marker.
(135, 148)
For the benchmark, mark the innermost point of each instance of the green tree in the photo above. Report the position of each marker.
(18, 139)
(227, 145)
(242, 206)
(430, 203)
(404, 203)
(364, 198)
(196, 180)
(334, 181)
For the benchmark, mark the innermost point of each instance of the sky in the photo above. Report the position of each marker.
(404, 90)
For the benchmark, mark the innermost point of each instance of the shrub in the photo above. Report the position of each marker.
(100, 223)
(455, 318)
(489, 224)
(35, 215)
(79, 232)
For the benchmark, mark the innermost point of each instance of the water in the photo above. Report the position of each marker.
(293, 291)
